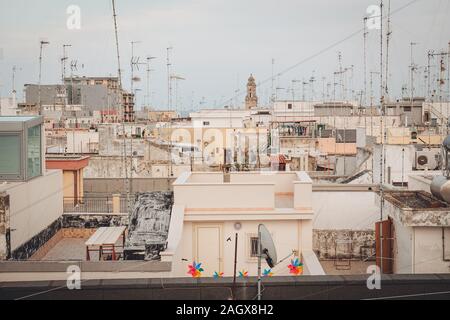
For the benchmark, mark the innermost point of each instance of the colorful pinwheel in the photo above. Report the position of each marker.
(218, 275)
(296, 267)
(195, 270)
(267, 273)
(243, 274)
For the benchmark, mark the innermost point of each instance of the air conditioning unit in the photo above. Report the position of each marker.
(427, 160)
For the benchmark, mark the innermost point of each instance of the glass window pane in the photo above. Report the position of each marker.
(34, 152)
(9, 155)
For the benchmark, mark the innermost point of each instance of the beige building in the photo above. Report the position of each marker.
(208, 213)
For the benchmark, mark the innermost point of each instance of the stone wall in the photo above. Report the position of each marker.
(28, 249)
(90, 221)
(347, 244)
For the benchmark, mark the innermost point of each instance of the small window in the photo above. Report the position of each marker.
(290, 106)
(206, 123)
(34, 156)
(253, 247)
(407, 109)
(10, 154)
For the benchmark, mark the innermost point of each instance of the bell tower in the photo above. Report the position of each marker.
(251, 100)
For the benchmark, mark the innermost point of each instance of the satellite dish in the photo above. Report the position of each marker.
(268, 251)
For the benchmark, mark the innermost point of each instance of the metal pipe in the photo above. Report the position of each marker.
(235, 260)
(259, 263)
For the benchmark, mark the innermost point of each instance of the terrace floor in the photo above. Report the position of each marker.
(71, 249)
(67, 249)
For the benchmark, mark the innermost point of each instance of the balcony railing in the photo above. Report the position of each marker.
(105, 204)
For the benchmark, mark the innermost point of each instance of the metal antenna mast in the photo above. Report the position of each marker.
(149, 59)
(63, 78)
(430, 53)
(43, 43)
(382, 138)
(176, 78)
(388, 35)
(366, 32)
(272, 98)
(412, 70)
(119, 70)
(63, 62)
(119, 73)
(169, 80)
(448, 74)
(169, 102)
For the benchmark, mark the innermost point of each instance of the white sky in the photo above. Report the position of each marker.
(217, 43)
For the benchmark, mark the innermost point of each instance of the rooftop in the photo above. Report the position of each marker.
(414, 200)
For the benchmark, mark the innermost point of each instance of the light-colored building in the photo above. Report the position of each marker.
(292, 110)
(208, 213)
(82, 141)
(8, 106)
(30, 196)
(219, 118)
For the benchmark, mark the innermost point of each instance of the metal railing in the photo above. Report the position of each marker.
(100, 204)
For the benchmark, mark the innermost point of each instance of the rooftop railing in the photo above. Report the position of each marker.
(96, 204)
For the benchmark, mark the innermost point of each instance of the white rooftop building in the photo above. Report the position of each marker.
(208, 213)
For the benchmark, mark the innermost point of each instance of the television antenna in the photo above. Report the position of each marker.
(266, 250)
(42, 44)
(149, 59)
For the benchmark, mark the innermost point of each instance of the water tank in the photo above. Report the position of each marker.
(440, 188)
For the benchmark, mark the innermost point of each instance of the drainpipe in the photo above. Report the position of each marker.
(413, 269)
(443, 246)
(7, 225)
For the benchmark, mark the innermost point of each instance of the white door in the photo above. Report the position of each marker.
(208, 248)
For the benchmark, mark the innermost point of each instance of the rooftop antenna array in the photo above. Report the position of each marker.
(119, 74)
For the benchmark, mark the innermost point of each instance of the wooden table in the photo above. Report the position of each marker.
(104, 240)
